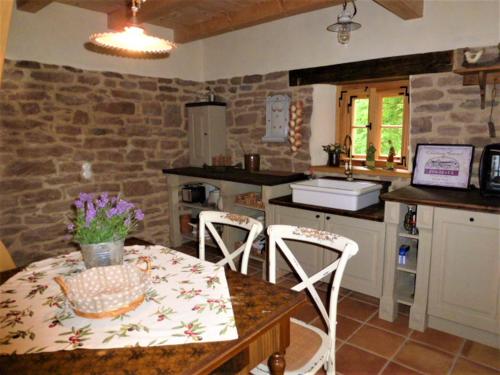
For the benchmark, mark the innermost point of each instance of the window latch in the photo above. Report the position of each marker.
(369, 126)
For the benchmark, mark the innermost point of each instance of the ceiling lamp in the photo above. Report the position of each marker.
(344, 24)
(132, 41)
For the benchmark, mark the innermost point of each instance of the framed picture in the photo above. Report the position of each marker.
(442, 165)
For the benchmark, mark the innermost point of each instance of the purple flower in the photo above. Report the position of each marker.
(103, 200)
(79, 204)
(139, 215)
(91, 212)
(71, 227)
(84, 197)
(111, 212)
(128, 221)
(123, 206)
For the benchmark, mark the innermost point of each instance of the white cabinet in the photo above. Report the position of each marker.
(364, 271)
(465, 268)
(309, 256)
(206, 132)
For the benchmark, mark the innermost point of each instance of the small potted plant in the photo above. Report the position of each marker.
(334, 150)
(100, 227)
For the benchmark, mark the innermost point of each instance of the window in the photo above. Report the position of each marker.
(374, 113)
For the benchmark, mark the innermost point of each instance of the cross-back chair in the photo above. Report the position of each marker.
(207, 221)
(310, 347)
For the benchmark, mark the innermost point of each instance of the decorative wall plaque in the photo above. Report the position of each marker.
(277, 118)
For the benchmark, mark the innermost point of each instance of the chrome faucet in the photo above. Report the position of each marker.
(348, 163)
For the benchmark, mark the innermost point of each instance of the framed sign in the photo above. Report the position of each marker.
(442, 165)
(277, 118)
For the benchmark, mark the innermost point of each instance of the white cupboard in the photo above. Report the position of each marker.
(465, 268)
(206, 132)
(364, 271)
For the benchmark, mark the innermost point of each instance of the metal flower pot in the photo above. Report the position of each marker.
(102, 254)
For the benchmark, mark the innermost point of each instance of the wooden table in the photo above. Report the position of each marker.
(262, 313)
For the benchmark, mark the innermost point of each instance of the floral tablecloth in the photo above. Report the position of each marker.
(188, 302)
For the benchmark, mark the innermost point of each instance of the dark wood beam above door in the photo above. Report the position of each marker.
(388, 68)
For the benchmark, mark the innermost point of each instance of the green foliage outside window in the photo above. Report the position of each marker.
(392, 114)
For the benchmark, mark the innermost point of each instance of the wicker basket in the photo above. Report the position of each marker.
(106, 292)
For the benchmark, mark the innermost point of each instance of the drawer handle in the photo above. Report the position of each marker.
(328, 218)
(317, 216)
(471, 219)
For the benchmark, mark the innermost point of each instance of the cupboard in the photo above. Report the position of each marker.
(363, 272)
(206, 124)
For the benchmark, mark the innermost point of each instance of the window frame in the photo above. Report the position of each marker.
(375, 92)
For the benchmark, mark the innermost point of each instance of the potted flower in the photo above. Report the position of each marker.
(334, 150)
(100, 227)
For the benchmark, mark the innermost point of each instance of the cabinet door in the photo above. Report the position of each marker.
(198, 136)
(364, 271)
(310, 257)
(464, 282)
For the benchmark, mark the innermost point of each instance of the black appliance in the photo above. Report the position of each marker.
(193, 193)
(489, 170)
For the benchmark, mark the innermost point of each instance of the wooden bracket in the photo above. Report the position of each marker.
(349, 105)
(341, 96)
(405, 92)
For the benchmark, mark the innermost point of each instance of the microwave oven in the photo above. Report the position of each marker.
(489, 170)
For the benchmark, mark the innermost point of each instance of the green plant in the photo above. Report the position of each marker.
(103, 219)
(332, 147)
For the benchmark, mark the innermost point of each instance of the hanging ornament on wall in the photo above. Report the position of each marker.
(295, 132)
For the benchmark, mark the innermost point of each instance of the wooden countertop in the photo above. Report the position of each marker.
(267, 178)
(464, 200)
(374, 212)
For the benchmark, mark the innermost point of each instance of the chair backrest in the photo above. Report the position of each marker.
(6, 262)
(209, 218)
(346, 247)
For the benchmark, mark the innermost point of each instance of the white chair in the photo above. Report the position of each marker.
(209, 218)
(310, 347)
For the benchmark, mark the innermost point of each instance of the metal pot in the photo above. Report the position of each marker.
(102, 254)
(252, 162)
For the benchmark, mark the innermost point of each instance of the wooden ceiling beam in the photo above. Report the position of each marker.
(32, 6)
(150, 10)
(255, 14)
(405, 9)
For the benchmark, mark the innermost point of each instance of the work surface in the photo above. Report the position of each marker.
(267, 178)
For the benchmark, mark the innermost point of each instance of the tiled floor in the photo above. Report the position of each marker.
(369, 345)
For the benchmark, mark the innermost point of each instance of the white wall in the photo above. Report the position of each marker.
(302, 41)
(56, 35)
(322, 122)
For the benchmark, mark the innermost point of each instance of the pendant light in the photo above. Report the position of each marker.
(345, 24)
(132, 41)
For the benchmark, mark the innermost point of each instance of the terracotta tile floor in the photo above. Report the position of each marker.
(369, 345)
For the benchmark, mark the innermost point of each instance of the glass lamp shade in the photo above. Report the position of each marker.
(132, 40)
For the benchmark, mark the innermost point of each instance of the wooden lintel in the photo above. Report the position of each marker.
(405, 9)
(32, 6)
(255, 14)
(396, 67)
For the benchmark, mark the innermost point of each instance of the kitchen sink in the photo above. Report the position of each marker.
(340, 194)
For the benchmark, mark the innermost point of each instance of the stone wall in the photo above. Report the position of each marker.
(55, 118)
(445, 111)
(246, 119)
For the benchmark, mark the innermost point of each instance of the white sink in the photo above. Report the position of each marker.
(344, 195)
